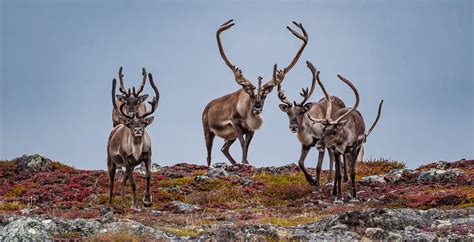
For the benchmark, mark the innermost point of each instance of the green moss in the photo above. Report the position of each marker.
(289, 222)
(180, 231)
(10, 206)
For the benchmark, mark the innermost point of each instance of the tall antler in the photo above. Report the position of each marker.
(156, 98)
(122, 88)
(307, 92)
(376, 119)
(356, 93)
(239, 78)
(281, 73)
(140, 89)
(304, 38)
(281, 93)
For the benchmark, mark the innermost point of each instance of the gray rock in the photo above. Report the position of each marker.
(217, 172)
(156, 213)
(435, 175)
(443, 165)
(141, 168)
(25, 229)
(396, 175)
(245, 181)
(372, 179)
(33, 163)
(376, 233)
(133, 228)
(201, 178)
(181, 207)
(220, 165)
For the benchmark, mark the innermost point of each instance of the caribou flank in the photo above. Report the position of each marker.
(129, 145)
(345, 136)
(307, 132)
(134, 102)
(237, 115)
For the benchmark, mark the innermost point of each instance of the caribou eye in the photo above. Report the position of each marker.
(334, 132)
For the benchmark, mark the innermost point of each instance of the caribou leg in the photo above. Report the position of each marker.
(240, 135)
(134, 187)
(111, 167)
(331, 165)
(248, 139)
(304, 153)
(354, 156)
(318, 168)
(122, 187)
(225, 150)
(346, 160)
(209, 137)
(337, 183)
(147, 199)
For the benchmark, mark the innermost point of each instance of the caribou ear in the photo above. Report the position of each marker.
(121, 98)
(284, 108)
(307, 107)
(343, 123)
(149, 120)
(142, 98)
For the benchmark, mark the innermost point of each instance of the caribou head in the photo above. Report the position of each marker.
(297, 110)
(131, 98)
(258, 94)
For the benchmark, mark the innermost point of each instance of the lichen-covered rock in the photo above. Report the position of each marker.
(434, 175)
(376, 233)
(25, 229)
(371, 179)
(141, 168)
(33, 163)
(133, 228)
(217, 172)
(180, 207)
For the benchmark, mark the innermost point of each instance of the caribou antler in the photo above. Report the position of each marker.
(239, 78)
(307, 92)
(356, 93)
(142, 85)
(304, 38)
(281, 93)
(156, 98)
(376, 119)
(122, 88)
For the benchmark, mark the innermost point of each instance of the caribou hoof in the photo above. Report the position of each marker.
(338, 201)
(148, 202)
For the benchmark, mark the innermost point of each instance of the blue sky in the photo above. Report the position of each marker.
(58, 59)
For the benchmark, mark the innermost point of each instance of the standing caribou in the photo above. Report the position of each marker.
(345, 135)
(134, 102)
(237, 114)
(129, 145)
(308, 133)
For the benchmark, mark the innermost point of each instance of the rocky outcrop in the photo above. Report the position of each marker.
(372, 224)
(33, 163)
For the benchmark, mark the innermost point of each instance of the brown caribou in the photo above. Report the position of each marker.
(307, 132)
(237, 115)
(130, 145)
(344, 132)
(134, 102)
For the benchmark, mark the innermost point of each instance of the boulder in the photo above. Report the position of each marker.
(25, 229)
(180, 207)
(33, 163)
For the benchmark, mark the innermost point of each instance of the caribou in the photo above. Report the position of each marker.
(134, 102)
(307, 132)
(238, 115)
(344, 132)
(130, 145)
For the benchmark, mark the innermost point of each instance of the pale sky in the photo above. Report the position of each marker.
(58, 59)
